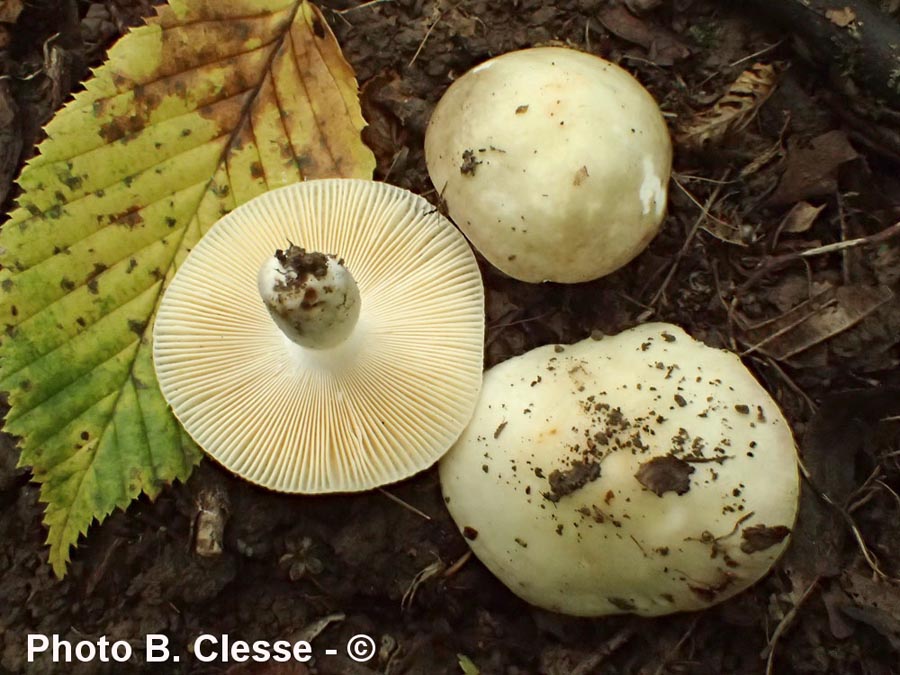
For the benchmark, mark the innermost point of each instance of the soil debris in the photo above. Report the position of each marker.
(665, 474)
(566, 482)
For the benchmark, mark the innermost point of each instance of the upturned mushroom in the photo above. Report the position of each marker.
(644, 473)
(554, 163)
(350, 359)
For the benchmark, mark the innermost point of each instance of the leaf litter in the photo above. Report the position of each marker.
(143, 573)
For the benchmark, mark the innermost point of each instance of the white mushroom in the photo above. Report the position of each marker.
(301, 376)
(644, 473)
(553, 162)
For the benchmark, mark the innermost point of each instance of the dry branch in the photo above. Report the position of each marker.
(851, 37)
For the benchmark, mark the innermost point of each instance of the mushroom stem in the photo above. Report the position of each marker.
(311, 296)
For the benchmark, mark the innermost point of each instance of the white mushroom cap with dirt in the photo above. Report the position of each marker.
(643, 472)
(553, 162)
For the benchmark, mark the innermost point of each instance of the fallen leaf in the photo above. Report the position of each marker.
(834, 598)
(466, 665)
(732, 112)
(10, 10)
(843, 425)
(823, 316)
(869, 342)
(842, 17)
(719, 224)
(800, 218)
(811, 169)
(384, 134)
(665, 474)
(876, 603)
(664, 46)
(205, 107)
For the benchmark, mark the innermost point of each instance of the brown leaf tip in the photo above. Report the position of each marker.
(665, 474)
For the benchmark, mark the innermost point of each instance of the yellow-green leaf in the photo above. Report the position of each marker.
(210, 104)
(466, 664)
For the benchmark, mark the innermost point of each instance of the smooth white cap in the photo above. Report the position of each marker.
(554, 163)
(383, 404)
(644, 473)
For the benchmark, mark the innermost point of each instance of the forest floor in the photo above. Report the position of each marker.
(795, 161)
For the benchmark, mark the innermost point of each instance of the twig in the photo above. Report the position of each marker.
(686, 177)
(405, 505)
(459, 564)
(704, 214)
(855, 502)
(791, 384)
(362, 6)
(787, 328)
(427, 35)
(497, 330)
(889, 489)
(433, 570)
(864, 549)
(589, 665)
(783, 625)
(756, 54)
(775, 262)
(677, 648)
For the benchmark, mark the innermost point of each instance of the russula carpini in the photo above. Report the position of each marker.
(643, 472)
(553, 162)
(350, 359)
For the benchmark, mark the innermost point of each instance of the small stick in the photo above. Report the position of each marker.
(704, 214)
(427, 35)
(459, 564)
(770, 264)
(786, 329)
(677, 648)
(405, 505)
(769, 651)
(362, 6)
(755, 54)
(863, 547)
(792, 385)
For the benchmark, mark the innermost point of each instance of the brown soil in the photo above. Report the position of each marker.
(820, 331)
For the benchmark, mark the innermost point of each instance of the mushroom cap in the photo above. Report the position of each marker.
(377, 408)
(644, 473)
(553, 162)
